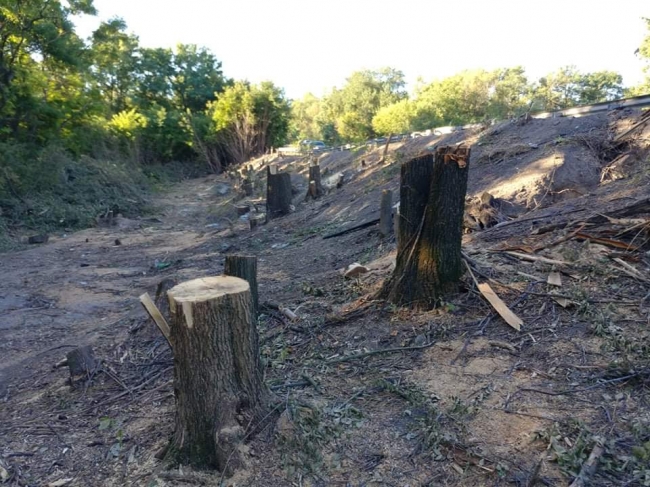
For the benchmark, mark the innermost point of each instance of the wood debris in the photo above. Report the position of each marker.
(554, 279)
(500, 307)
(536, 258)
(155, 315)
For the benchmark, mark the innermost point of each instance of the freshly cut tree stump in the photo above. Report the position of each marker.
(316, 189)
(217, 371)
(432, 201)
(244, 267)
(386, 213)
(278, 193)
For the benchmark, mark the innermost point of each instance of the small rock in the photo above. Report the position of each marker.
(118, 242)
(38, 239)
(355, 270)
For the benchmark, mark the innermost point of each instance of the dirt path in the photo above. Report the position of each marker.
(75, 289)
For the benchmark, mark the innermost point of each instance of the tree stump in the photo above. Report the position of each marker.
(244, 267)
(386, 213)
(217, 371)
(315, 185)
(278, 193)
(81, 362)
(432, 201)
(247, 186)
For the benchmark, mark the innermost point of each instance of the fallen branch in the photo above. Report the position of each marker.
(378, 352)
(360, 226)
(536, 258)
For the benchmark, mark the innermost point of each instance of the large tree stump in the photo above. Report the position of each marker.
(217, 371)
(244, 267)
(386, 213)
(432, 201)
(278, 193)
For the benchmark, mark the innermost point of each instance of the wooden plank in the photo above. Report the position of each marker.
(500, 307)
(155, 315)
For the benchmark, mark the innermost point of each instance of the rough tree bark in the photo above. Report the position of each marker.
(244, 267)
(386, 213)
(315, 185)
(432, 201)
(278, 193)
(217, 371)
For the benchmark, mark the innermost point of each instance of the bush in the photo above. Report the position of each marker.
(47, 189)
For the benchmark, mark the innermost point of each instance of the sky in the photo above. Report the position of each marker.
(312, 45)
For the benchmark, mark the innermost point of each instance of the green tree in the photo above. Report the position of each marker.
(249, 119)
(353, 107)
(644, 53)
(568, 87)
(397, 118)
(115, 58)
(31, 30)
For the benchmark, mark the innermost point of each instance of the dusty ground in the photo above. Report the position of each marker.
(470, 402)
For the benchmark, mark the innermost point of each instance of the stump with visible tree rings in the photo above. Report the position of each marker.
(386, 213)
(244, 267)
(278, 193)
(432, 201)
(217, 371)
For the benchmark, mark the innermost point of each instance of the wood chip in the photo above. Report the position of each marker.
(500, 307)
(536, 258)
(564, 302)
(59, 483)
(554, 279)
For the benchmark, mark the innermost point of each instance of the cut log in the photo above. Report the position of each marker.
(432, 201)
(278, 193)
(386, 213)
(244, 267)
(217, 371)
(38, 239)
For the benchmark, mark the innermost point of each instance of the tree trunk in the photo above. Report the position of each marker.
(315, 186)
(247, 186)
(432, 201)
(386, 213)
(217, 371)
(278, 193)
(244, 267)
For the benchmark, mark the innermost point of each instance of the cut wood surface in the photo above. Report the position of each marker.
(554, 279)
(500, 307)
(217, 370)
(155, 314)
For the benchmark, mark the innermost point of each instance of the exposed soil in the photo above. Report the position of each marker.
(469, 402)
